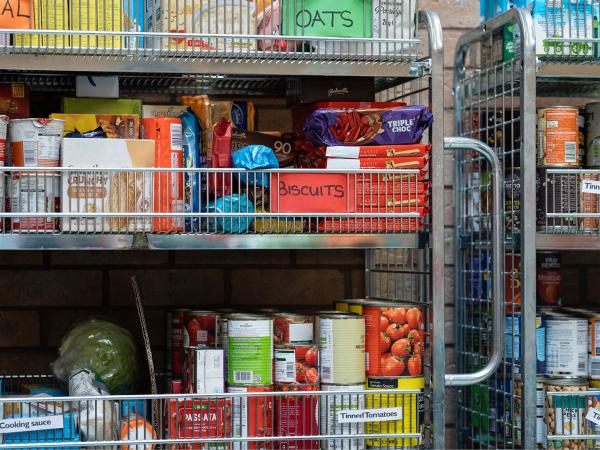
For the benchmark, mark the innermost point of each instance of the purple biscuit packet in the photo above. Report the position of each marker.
(392, 126)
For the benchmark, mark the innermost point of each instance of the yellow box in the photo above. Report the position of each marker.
(47, 15)
(413, 410)
(96, 15)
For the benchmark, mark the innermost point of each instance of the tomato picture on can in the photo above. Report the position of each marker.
(395, 337)
(199, 419)
(201, 328)
(297, 364)
(296, 415)
(293, 329)
(252, 417)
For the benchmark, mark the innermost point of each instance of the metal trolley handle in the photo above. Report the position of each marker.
(466, 379)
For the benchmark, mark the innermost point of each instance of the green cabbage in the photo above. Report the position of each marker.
(106, 349)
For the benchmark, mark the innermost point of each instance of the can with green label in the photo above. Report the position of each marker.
(250, 350)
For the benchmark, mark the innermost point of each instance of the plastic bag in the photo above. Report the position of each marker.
(231, 204)
(195, 183)
(254, 157)
(97, 133)
(106, 349)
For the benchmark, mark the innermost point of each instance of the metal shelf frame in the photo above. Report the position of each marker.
(419, 66)
(495, 101)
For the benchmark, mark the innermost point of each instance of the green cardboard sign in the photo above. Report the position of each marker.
(327, 18)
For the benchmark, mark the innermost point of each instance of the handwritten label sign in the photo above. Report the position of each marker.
(39, 423)
(15, 14)
(327, 18)
(321, 193)
(369, 415)
(590, 187)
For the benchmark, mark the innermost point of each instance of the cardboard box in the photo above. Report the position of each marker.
(149, 111)
(205, 371)
(104, 191)
(319, 89)
(202, 17)
(377, 151)
(73, 105)
(116, 126)
(408, 162)
(14, 100)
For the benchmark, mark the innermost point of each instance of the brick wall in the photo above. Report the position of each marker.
(45, 293)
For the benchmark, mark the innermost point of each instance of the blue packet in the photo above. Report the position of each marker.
(194, 183)
(254, 157)
(234, 203)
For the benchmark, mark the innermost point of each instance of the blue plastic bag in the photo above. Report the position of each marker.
(254, 157)
(234, 203)
(195, 184)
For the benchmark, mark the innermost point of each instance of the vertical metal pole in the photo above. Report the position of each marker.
(528, 116)
(436, 95)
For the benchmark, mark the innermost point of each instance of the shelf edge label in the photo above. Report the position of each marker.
(368, 415)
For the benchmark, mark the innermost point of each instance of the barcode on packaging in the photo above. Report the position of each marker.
(176, 136)
(30, 153)
(570, 152)
(243, 376)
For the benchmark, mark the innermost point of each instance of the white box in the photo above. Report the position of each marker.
(107, 191)
(209, 371)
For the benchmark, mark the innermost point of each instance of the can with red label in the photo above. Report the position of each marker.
(395, 335)
(548, 278)
(199, 418)
(201, 328)
(293, 329)
(252, 417)
(175, 340)
(558, 136)
(296, 364)
(3, 133)
(296, 415)
(34, 193)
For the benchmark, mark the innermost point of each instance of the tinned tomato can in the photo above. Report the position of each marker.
(296, 364)
(250, 350)
(296, 415)
(594, 327)
(252, 416)
(342, 348)
(199, 418)
(294, 329)
(176, 340)
(201, 328)
(558, 136)
(548, 278)
(349, 397)
(411, 408)
(395, 336)
(589, 203)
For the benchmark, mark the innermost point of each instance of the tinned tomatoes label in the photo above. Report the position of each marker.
(285, 366)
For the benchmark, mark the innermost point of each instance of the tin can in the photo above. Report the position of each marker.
(566, 346)
(540, 397)
(412, 406)
(513, 341)
(176, 340)
(201, 328)
(296, 415)
(296, 364)
(355, 306)
(342, 348)
(594, 327)
(512, 282)
(548, 278)
(31, 193)
(592, 136)
(558, 136)
(588, 203)
(565, 414)
(293, 329)
(3, 135)
(341, 305)
(35, 142)
(199, 418)
(329, 407)
(395, 335)
(250, 350)
(252, 417)
(556, 193)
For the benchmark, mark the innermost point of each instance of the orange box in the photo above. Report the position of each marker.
(168, 186)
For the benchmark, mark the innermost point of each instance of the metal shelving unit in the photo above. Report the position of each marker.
(496, 94)
(404, 251)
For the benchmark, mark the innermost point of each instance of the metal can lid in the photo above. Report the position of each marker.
(203, 312)
(565, 381)
(246, 316)
(293, 315)
(338, 315)
(383, 304)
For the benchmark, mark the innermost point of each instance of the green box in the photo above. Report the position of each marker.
(74, 105)
(327, 18)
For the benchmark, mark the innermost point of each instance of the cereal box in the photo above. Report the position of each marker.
(123, 126)
(107, 191)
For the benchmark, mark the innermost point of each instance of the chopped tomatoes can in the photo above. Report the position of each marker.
(296, 415)
(252, 417)
(296, 364)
